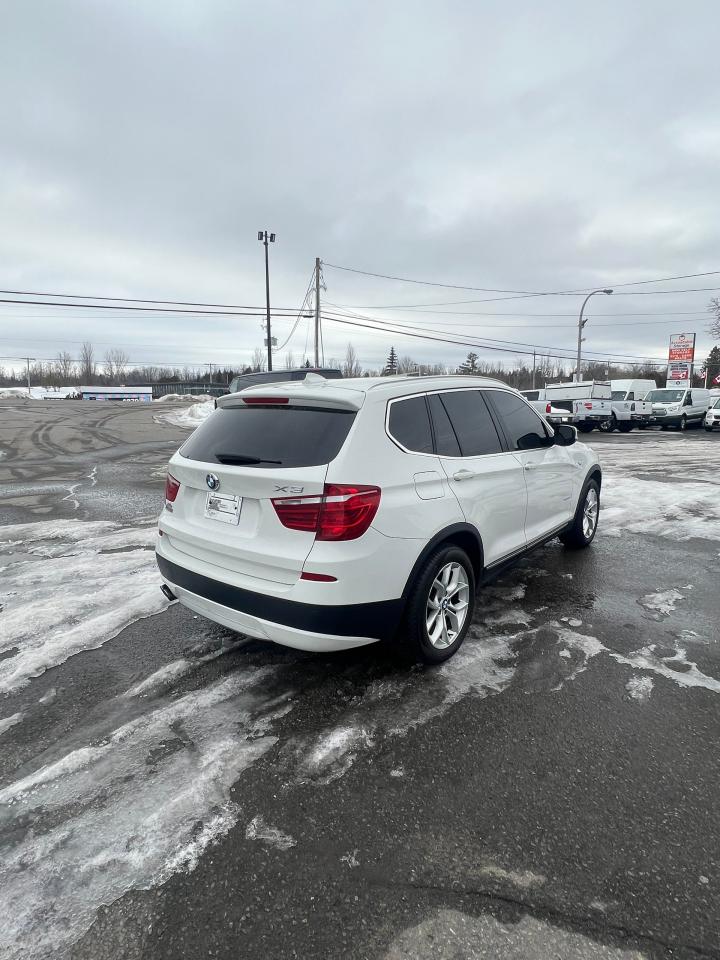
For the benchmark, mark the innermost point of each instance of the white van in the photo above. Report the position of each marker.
(680, 407)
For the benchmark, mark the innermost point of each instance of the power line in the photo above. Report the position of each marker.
(280, 312)
(510, 345)
(523, 293)
(86, 296)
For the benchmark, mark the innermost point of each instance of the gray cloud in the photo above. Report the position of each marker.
(520, 146)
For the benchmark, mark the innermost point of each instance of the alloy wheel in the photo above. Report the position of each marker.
(590, 513)
(447, 605)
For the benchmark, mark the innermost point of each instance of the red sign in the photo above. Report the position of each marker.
(717, 379)
(682, 347)
(679, 371)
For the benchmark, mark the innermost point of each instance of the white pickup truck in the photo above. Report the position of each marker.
(545, 408)
(588, 402)
(628, 408)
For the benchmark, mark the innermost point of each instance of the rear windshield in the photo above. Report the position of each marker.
(268, 437)
(618, 395)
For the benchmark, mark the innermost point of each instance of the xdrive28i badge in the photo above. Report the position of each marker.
(212, 481)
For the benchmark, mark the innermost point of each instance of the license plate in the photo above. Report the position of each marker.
(223, 507)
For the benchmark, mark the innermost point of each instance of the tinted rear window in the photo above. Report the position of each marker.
(409, 424)
(471, 422)
(277, 436)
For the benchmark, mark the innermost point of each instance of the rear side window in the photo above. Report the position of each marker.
(446, 443)
(267, 437)
(471, 422)
(523, 428)
(409, 424)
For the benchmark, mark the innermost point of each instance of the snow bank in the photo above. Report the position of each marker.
(190, 417)
(677, 510)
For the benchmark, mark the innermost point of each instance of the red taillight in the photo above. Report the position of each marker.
(266, 400)
(588, 406)
(548, 408)
(343, 512)
(318, 577)
(171, 488)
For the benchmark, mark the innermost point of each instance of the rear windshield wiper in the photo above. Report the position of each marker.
(238, 458)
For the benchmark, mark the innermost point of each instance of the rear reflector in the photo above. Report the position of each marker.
(171, 488)
(318, 577)
(266, 400)
(343, 512)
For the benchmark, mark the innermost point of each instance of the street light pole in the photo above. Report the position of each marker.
(266, 238)
(581, 324)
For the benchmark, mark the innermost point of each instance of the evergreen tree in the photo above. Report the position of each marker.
(392, 363)
(712, 366)
(469, 365)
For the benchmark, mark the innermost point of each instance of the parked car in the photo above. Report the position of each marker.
(629, 409)
(712, 417)
(588, 402)
(326, 514)
(679, 407)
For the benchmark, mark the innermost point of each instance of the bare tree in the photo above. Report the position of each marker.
(289, 360)
(406, 365)
(714, 311)
(259, 360)
(116, 362)
(64, 367)
(351, 367)
(88, 367)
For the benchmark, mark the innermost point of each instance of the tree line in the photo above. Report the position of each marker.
(113, 368)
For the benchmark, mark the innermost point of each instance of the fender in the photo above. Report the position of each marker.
(594, 471)
(447, 534)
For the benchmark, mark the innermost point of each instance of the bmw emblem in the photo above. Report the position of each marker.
(212, 481)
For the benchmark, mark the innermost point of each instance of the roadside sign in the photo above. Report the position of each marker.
(682, 347)
(717, 379)
(679, 373)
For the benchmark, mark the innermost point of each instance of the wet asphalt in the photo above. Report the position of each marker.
(540, 810)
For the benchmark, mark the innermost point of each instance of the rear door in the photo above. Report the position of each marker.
(487, 480)
(550, 470)
(251, 453)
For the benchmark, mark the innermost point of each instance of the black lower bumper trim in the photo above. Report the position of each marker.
(379, 620)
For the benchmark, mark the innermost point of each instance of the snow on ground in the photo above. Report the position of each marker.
(678, 511)
(69, 586)
(128, 809)
(188, 417)
(257, 829)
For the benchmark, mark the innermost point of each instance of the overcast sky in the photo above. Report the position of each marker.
(518, 146)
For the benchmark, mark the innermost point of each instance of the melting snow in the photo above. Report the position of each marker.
(257, 829)
(662, 603)
(639, 688)
(8, 722)
(126, 811)
(66, 592)
(675, 667)
(678, 511)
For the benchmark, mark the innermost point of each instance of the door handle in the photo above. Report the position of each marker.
(464, 475)
(529, 466)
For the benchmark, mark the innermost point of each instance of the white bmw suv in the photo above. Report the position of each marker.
(327, 514)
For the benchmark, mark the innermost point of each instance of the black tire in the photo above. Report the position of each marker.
(416, 632)
(607, 426)
(643, 426)
(682, 426)
(708, 429)
(626, 426)
(664, 427)
(586, 427)
(575, 537)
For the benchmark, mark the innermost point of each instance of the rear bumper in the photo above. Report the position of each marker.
(303, 625)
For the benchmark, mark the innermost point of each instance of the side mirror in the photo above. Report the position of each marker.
(565, 435)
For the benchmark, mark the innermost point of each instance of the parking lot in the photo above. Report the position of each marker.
(169, 789)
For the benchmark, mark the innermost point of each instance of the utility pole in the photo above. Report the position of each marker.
(27, 362)
(317, 311)
(533, 376)
(581, 324)
(266, 238)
